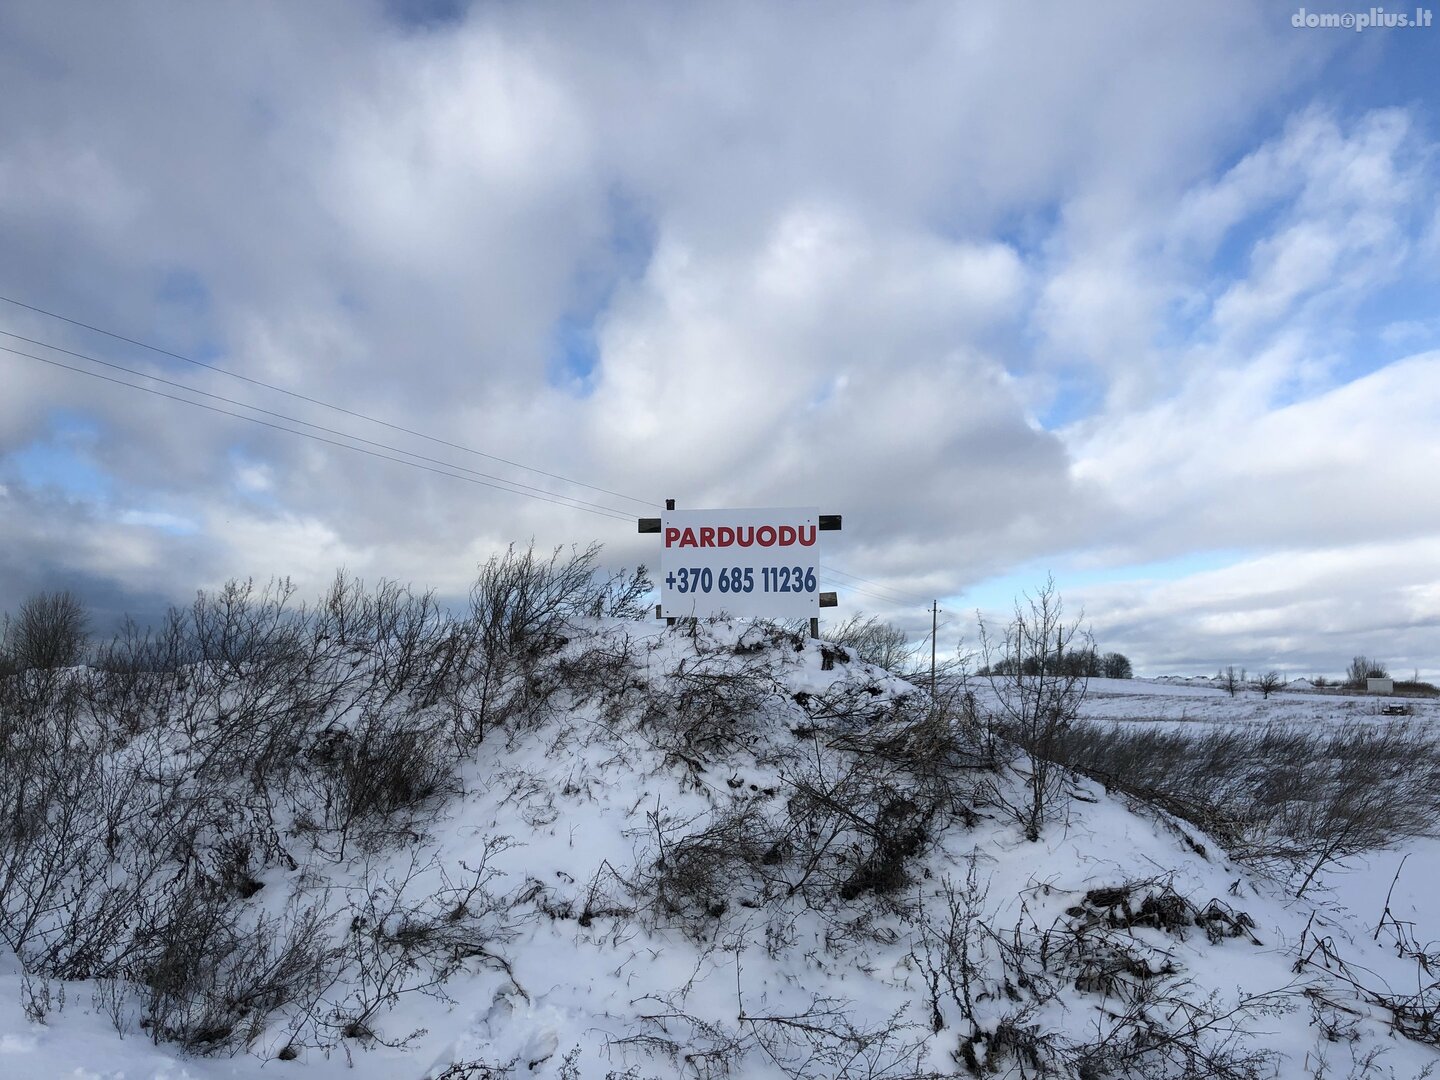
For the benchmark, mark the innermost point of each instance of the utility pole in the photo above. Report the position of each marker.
(669, 505)
(934, 630)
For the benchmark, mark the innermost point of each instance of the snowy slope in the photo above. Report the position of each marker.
(605, 940)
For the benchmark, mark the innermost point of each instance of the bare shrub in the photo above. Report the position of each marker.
(860, 798)
(1293, 799)
(818, 1038)
(603, 670)
(873, 640)
(707, 705)
(1414, 1015)
(1153, 1022)
(866, 797)
(66, 810)
(854, 826)
(408, 936)
(38, 999)
(520, 609)
(949, 952)
(142, 799)
(50, 631)
(401, 643)
(217, 977)
(522, 602)
(623, 596)
(389, 763)
(695, 874)
(1037, 696)
(475, 1070)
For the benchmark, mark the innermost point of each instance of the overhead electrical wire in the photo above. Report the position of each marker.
(896, 594)
(314, 401)
(603, 512)
(291, 419)
(866, 592)
(888, 594)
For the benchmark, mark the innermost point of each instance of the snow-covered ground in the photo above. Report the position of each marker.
(585, 976)
(1194, 701)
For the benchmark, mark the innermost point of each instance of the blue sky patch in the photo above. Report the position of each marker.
(184, 289)
(574, 355)
(427, 14)
(574, 352)
(998, 594)
(62, 460)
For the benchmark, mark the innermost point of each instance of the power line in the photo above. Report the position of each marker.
(474, 476)
(289, 419)
(314, 401)
(873, 596)
(603, 512)
(887, 588)
(895, 595)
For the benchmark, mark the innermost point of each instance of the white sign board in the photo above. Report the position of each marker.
(763, 563)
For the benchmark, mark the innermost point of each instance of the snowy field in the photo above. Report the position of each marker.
(1129, 700)
(584, 974)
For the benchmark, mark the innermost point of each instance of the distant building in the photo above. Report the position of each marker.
(1379, 686)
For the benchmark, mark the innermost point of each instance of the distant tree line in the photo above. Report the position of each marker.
(1084, 663)
(885, 644)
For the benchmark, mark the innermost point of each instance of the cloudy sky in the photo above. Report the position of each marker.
(1140, 295)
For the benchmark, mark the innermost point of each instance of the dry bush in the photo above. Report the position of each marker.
(212, 977)
(402, 644)
(874, 641)
(142, 800)
(854, 825)
(67, 809)
(51, 631)
(820, 1038)
(389, 763)
(1001, 989)
(625, 595)
(474, 1070)
(1292, 799)
(1037, 696)
(707, 705)
(521, 607)
(1415, 1015)
(861, 795)
(695, 874)
(604, 671)
(406, 937)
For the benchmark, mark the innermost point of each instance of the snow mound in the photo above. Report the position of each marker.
(722, 849)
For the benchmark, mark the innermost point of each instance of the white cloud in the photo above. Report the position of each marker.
(840, 260)
(1303, 611)
(156, 519)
